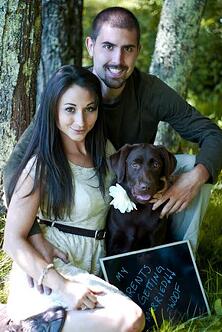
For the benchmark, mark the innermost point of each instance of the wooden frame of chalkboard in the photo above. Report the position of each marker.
(164, 278)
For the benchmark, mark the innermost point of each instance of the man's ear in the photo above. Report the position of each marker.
(89, 45)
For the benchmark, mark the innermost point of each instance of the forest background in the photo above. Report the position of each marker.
(203, 89)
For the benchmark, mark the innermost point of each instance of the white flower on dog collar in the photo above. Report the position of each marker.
(121, 200)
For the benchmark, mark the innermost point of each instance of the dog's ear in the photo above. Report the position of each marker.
(168, 159)
(117, 161)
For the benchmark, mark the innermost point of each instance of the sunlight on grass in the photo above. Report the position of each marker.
(5, 265)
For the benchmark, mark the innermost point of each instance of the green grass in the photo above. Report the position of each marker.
(5, 265)
(208, 262)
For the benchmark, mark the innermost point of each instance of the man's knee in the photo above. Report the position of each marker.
(185, 225)
(185, 162)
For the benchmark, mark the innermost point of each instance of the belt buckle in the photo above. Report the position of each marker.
(100, 234)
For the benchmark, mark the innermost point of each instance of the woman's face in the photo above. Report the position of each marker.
(77, 113)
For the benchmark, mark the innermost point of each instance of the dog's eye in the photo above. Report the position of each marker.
(135, 165)
(156, 164)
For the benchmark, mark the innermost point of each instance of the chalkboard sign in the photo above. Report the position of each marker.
(164, 278)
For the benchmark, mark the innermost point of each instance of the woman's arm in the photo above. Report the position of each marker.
(48, 253)
(21, 214)
(22, 211)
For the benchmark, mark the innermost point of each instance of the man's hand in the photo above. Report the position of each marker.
(48, 252)
(182, 192)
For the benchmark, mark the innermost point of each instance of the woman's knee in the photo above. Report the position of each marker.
(120, 316)
(138, 323)
(125, 314)
(135, 319)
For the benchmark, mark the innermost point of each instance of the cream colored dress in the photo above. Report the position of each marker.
(89, 211)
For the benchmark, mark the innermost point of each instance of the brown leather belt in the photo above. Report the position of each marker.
(97, 234)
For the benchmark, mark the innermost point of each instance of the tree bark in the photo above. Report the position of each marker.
(20, 32)
(61, 37)
(174, 53)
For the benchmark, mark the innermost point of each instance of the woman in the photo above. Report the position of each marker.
(63, 179)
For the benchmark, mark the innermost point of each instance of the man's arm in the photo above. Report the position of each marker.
(192, 126)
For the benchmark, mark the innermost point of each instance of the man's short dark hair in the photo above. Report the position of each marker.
(117, 17)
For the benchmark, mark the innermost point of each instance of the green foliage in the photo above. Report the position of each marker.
(211, 230)
(5, 265)
(205, 86)
(218, 307)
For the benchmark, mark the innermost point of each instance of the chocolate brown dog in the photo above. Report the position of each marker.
(142, 170)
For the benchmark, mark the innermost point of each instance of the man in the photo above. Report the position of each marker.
(134, 103)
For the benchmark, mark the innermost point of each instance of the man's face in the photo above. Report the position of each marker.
(114, 55)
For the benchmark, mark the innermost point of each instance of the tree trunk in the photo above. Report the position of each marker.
(20, 32)
(174, 52)
(61, 37)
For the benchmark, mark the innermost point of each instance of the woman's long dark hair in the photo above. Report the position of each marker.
(53, 174)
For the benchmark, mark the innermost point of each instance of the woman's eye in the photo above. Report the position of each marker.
(70, 109)
(91, 109)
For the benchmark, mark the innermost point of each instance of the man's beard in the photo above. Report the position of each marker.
(112, 83)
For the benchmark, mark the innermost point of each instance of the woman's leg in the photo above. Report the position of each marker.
(118, 314)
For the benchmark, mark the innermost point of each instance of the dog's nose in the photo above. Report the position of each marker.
(144, 186)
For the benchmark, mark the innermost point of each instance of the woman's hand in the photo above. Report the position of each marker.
(80, 296)
(48, 252)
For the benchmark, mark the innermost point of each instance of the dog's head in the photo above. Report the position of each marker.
(141, 169)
